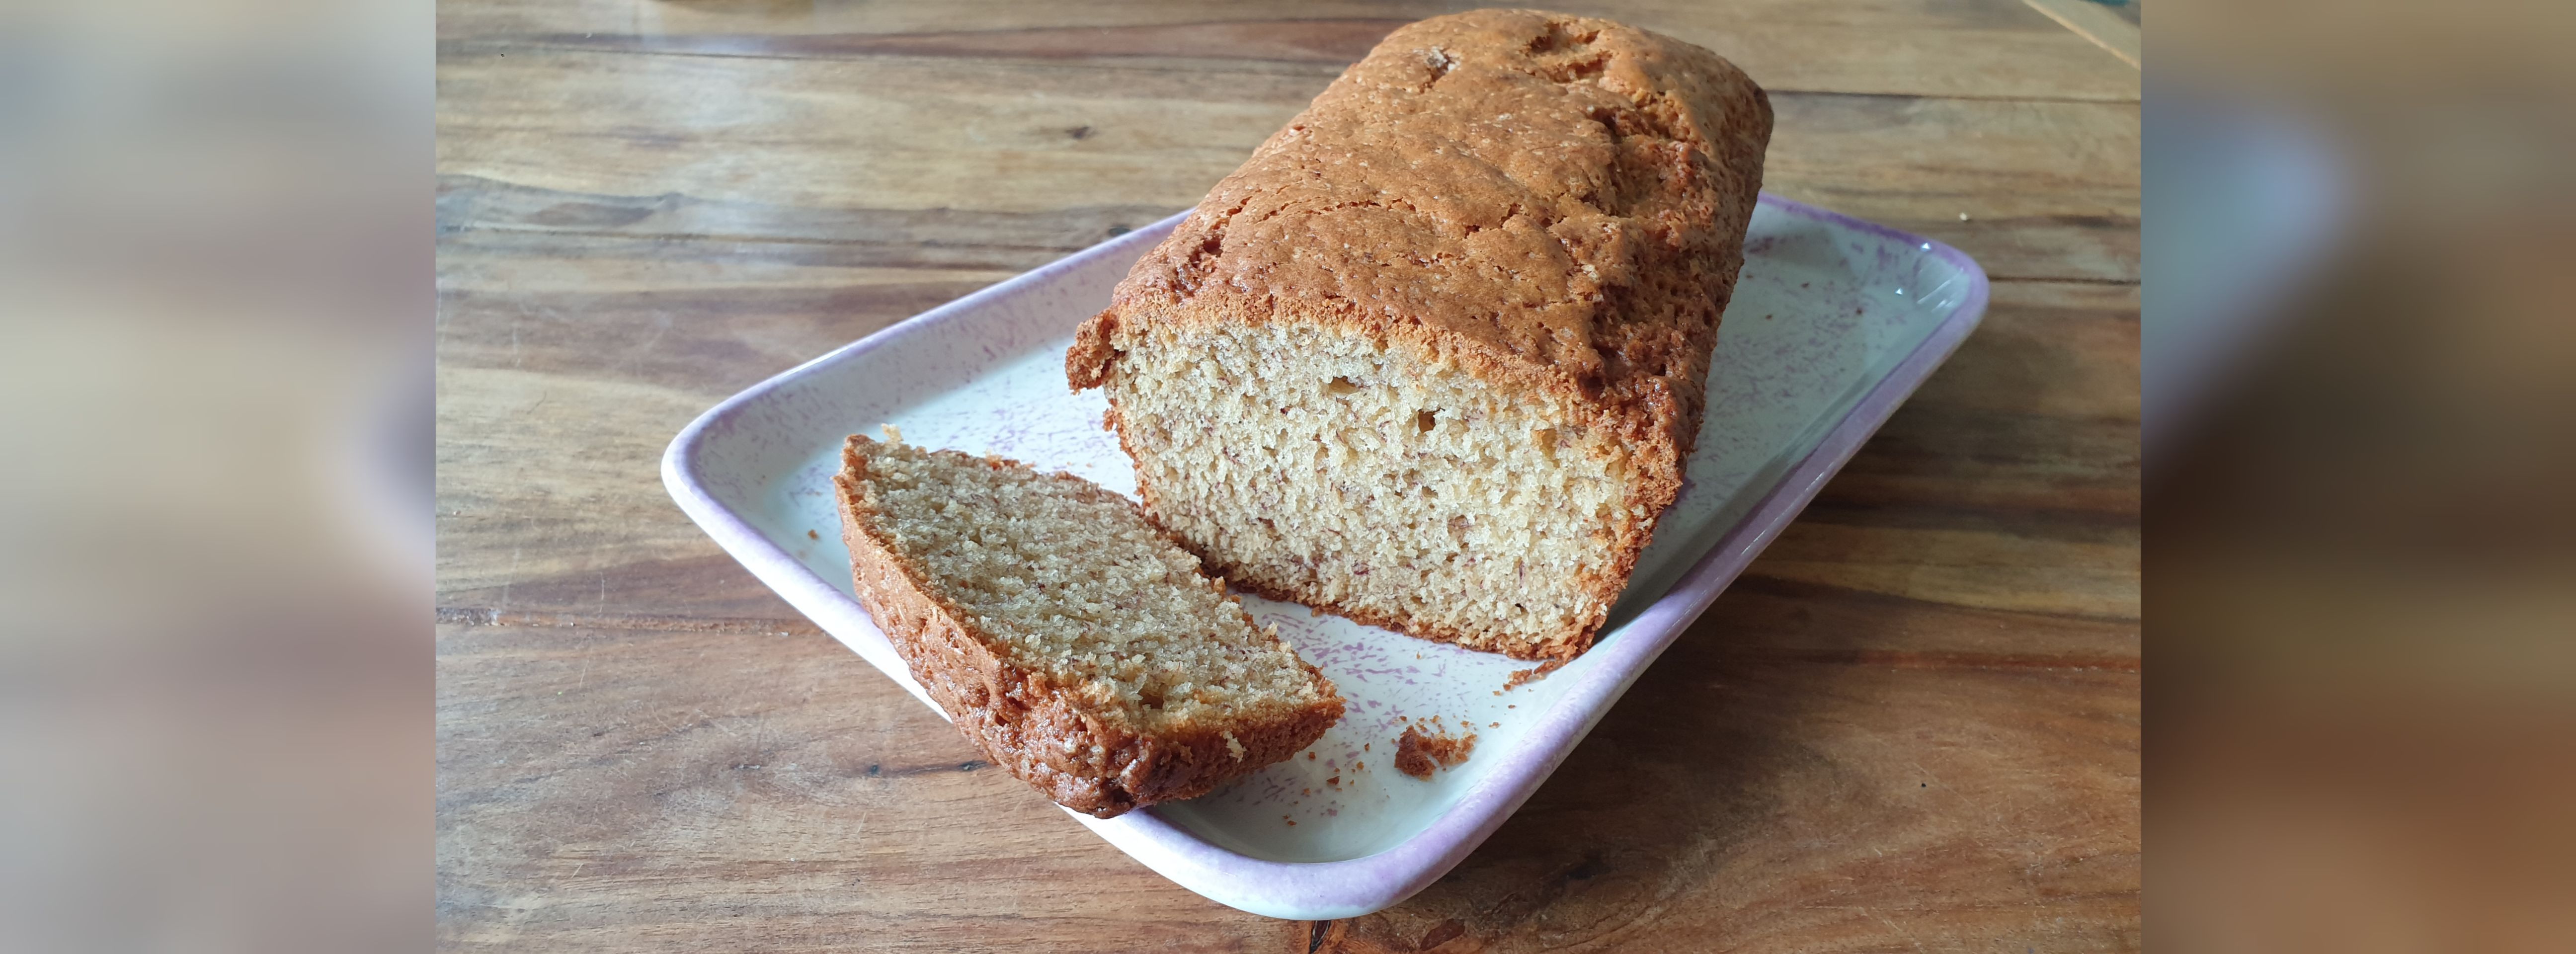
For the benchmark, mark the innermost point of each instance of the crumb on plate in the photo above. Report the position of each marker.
(1418, 754)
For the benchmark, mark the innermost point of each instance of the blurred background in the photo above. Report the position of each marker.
(2360, 439)
(215, 306)
(216, 241)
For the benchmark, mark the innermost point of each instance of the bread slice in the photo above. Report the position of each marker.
(1434, 357)
(1064, 634)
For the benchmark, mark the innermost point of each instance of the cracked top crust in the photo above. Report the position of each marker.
(1543, 197)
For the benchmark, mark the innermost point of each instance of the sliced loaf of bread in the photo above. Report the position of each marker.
(1066, 635)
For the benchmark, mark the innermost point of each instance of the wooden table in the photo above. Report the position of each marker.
(1912, 725)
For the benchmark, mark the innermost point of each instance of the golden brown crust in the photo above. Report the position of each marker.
(1554, 203)
(1086, 364)
(1084, 759)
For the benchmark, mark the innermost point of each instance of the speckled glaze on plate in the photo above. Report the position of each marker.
(1834, 322)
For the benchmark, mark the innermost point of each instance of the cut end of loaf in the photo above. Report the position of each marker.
(1384, 484)
(1433, 357)
(1065, 634)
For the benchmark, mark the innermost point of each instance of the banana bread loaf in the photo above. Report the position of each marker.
(1433, 358)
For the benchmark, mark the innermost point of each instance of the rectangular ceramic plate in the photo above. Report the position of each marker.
(1833, 324)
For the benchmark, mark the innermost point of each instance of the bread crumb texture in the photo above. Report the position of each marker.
(1419, 753)
(1067, 635)
(1433, 357)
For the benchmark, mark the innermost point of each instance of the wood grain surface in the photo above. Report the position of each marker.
(1912, 725)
